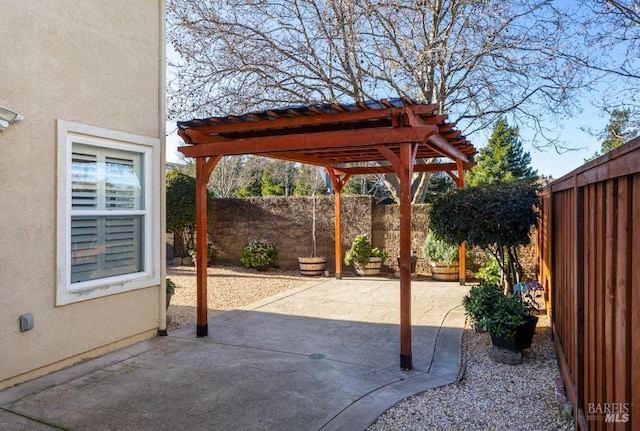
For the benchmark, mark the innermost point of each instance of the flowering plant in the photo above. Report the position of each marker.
(528, 292)
(258, 253)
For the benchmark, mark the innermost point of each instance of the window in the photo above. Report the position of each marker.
(108, 212)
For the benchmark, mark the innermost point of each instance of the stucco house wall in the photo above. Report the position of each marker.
(93, 63)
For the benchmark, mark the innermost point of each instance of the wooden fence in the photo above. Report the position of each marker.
(589, 263)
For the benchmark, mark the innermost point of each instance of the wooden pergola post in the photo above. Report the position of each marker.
(338, 184)
(204, 167)
(462, 265)
(407, 158)
(403, 166)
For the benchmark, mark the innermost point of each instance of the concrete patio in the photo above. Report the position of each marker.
(321, 357)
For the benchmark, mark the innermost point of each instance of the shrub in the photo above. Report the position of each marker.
(438, 250)
(496, 217)
(490, 273)
(361, 250)
(480, 300)
(258, 253)
(507, 314)
(171, 286)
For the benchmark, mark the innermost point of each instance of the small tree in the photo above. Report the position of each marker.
(181, 210)
(310, 182)
(496, 217)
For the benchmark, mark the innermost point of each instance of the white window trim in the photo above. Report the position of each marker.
(69, 132)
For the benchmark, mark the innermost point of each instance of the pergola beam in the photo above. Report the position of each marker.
(312, 141)
(446, 148)
(430, 167)
(320, 118)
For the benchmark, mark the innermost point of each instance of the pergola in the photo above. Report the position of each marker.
(386, 136)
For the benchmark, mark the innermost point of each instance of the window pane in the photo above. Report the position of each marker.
(106, 179)
(122, 183)
(105, 246)
(84, 181)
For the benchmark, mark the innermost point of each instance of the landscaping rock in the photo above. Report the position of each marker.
(177, 261)
(505, 356)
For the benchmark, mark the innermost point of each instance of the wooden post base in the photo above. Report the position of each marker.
(406, 362)
(202, 330)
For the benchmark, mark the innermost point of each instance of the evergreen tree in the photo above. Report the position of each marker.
(270, 186)
(503, 159)
(617, 132)
(254, 188)
(278, 178)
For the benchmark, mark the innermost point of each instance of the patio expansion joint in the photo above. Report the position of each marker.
(301, 355)
(29, 418)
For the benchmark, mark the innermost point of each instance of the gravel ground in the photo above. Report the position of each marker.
(489, 396)
(227, 288)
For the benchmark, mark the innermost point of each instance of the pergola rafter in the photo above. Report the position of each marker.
(366, 137)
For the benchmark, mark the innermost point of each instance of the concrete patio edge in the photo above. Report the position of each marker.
(365, 411)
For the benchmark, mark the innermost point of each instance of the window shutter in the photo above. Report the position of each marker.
(84, 181)
(84, 248)
(122, 185)
(122, 236)
(105, 182)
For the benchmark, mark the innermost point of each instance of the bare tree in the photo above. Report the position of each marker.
(224, 180)
(607, 44)
(478, 59)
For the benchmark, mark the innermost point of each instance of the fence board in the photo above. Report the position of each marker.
(622, 320)
(589, 262)
(634, 379)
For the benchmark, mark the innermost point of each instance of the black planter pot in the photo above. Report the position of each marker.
(522, 339)
(414, 263)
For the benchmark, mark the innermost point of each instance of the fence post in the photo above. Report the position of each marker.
(578, 277)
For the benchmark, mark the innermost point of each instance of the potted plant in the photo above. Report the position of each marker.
(442, 256)
(259, 254)
(366, 259)
(313, 265)
(170, 290)
(479, 302)
(509, 324)
(414, 261)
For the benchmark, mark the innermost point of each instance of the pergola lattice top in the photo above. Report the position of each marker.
(332, 135)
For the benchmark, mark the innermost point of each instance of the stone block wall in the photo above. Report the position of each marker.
(287, 221)
(386, 232)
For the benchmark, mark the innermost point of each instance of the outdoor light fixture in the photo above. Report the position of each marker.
(7, 116)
